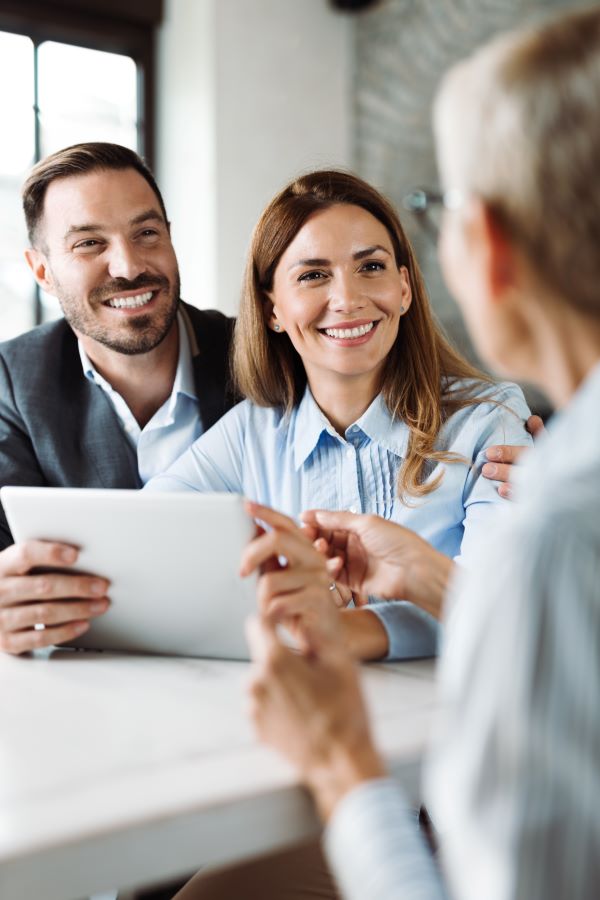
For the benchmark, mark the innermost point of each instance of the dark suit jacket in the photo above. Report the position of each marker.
(60, 430)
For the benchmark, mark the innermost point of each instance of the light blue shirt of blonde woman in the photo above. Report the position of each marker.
(298, 461)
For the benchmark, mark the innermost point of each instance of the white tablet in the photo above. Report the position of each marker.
(172, 561)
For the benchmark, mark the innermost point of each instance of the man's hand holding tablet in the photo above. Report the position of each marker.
(63, 603)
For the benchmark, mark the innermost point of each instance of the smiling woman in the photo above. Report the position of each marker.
(341, 310)
(355, 400)
(329, 245)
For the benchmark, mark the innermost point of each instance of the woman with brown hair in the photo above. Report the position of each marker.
(355, 400)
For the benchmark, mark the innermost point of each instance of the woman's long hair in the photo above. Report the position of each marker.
(421, 372)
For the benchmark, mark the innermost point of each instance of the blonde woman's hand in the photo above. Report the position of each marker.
(311, 709)
(381, 558)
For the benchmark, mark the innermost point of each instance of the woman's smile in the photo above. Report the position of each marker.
(352, 333)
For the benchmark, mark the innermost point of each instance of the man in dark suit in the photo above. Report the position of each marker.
(112, 393)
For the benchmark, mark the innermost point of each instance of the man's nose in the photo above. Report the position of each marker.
(125, 261)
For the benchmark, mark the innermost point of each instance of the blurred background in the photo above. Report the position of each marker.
(227, 100)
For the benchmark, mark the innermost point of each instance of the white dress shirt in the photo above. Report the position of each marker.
(173, 427)
(514, 783)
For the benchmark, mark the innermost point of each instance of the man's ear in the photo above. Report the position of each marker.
(38, 263)
(499, 253)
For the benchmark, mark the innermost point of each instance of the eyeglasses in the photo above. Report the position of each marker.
(428, 207)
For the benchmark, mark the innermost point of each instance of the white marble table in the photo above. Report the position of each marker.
(117, 770)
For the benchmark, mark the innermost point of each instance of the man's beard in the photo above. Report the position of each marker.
(133, 335)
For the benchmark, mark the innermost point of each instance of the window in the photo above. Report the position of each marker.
(17, 153)
(76, 74)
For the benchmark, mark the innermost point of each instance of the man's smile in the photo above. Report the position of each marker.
(132, 301)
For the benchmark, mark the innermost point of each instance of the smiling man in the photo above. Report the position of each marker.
(114, 392)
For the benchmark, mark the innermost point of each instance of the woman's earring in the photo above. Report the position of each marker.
(402, 309)
(276, 327)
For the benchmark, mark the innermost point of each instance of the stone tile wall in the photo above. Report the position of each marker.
(402, 47)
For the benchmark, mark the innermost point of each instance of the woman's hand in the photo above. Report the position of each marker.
(381, 558)
(298, 593)
(311, 709)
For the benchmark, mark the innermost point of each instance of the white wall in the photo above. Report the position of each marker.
(251, 92)
(186, 140)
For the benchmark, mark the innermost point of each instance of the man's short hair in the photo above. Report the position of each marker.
(80, 159)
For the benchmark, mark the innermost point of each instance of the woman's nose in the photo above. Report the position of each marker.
(345, 295)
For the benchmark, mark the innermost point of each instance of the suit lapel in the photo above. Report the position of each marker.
(93, 428)
(210, 338)
(105, 443)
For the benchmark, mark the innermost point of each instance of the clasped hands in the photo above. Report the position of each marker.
(308, 705)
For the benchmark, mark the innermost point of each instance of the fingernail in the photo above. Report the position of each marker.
(98, 606)
(490, 469)
(494, 454)
(68, 554)
(81, 627)
(98, 587)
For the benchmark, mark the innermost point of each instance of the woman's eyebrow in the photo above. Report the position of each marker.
(310, 262)
(360, 254)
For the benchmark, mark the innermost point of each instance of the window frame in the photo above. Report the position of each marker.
(131, 33)
(95, 25)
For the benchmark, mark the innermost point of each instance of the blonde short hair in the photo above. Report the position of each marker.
(518, 125)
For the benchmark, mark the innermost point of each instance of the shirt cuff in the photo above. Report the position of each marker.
(412, 633)
(374, 847)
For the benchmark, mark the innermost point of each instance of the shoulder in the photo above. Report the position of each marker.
(483, 413)
(248, 421)
(43, 339)
(484, 397)
(209, 325)
(32, 361)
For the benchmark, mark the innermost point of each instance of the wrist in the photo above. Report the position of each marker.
(427, 580)
(347, 766)
(363, 634)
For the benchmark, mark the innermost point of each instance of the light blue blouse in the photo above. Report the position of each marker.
(298, 461)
